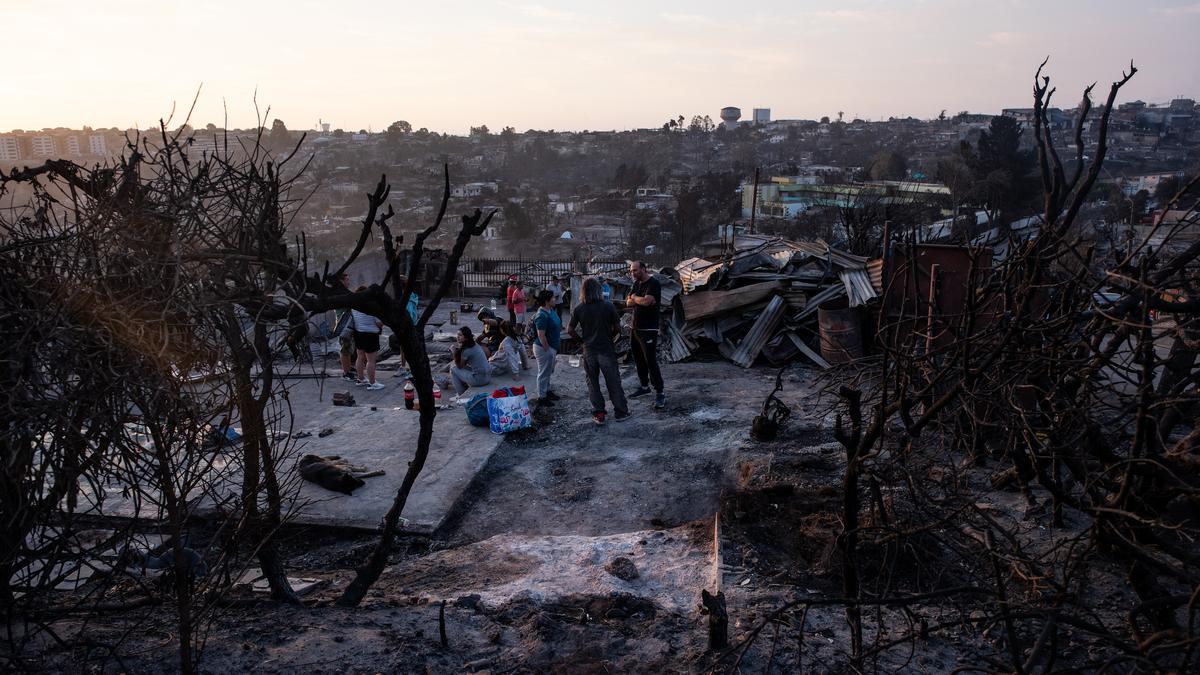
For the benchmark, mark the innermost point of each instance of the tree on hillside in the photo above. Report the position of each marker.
(399, 129)
(688, 219)
(1123, 208)
(887, 165)
(642, 230)
(719, 195)
(1004, 180)
(519, 223)
(630, 176)
(278, 137)
(1166, 189)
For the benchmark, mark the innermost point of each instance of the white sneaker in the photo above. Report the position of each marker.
(375, 386)
(361, 383)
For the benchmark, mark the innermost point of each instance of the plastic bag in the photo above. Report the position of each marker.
(477, 410)
(508, 410)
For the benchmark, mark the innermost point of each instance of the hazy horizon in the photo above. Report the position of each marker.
(572, 65)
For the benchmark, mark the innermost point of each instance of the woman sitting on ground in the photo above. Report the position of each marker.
(470, 367)
(506, 360)
(495, 330)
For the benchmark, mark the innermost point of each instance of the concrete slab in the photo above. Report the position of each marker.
(377, 433)
(384, 438)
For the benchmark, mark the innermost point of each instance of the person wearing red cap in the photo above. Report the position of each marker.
(515, 302)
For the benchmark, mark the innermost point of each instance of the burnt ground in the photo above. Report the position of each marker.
(659, 469)
(523, 563)
(584, 549)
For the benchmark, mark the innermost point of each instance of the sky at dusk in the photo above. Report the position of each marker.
(572, 65)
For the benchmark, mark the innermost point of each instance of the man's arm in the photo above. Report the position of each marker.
(648, 299)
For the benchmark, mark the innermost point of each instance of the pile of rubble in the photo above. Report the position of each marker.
(763, 299)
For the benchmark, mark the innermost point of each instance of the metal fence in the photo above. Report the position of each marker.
(486, 276)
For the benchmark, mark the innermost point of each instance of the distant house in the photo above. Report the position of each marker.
(788, 196)
(43, 146)
(472, 189)
(1025, 116)
(10, 148)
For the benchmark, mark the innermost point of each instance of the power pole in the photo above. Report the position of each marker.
(754, 201)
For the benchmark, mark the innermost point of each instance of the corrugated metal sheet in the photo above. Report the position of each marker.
(819, 299)
(678, 346)
(875, 268)
(858, 286)
(760, 333)
(670, 289)
(694, 272)
(819, 249)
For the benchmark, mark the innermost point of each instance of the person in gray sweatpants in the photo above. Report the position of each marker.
(547, 339)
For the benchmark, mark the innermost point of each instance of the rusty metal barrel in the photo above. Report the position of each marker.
(841, 331)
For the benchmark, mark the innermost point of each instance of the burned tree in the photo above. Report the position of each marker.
(134, 287)
(388, 301)
(1071, 378)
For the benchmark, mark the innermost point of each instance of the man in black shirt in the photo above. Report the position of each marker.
(646, 300)
(596, 322)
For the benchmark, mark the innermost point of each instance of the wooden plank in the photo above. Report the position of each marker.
(703, 304)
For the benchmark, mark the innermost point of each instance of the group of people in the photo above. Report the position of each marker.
(501, 347)
(597, 324)
(505, 346)
(358, 339)
(516, 300)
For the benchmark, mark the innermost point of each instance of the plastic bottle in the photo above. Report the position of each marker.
(437, 394)
(493, 303)
(410, 394)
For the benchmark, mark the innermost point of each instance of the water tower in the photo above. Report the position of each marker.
(730, 117)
